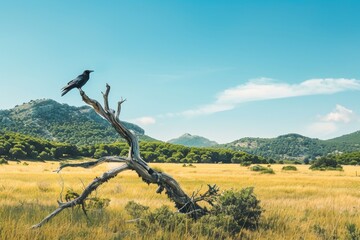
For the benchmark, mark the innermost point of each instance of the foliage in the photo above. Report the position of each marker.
(233, 211)
(289, 168)
(93, 203)
(294, 146)
(261, 169)
(326, 163)
(19, 146)
(352, 231)
(51, 120)
(3, 161)
(192, 141)
(97, 203)
(242, 207)
(352, 158)
(136, 210)
(268, 171)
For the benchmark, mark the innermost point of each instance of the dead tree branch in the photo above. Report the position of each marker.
(184, 203)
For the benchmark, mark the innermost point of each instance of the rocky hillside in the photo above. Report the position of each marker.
(292, 146)
(192, 141)
(51, 120)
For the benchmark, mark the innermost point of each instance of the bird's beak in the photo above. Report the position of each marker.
(91, 70)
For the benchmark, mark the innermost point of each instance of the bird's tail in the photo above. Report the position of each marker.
(65, 91)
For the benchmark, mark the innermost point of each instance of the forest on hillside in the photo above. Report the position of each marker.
(19, 146)
(14, 146)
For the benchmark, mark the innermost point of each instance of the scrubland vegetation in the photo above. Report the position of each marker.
(302, 204)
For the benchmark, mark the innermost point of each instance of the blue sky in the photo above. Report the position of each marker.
(219, 69)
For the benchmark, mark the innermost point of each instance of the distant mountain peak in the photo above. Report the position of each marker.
(193, 141)
(186, 135)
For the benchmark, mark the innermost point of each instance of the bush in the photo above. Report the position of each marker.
(3, 161)
(45, 155)
(245, 164)
(232, 212)
(161, 218)
(136, 210)
(258, 168)
(289, 168)
(97, 203)
(242, 207)
(353, 232)
(326, 163)
(268, 171)
(261, 169)
(94, 203)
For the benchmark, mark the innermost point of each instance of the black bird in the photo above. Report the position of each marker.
(77, 82)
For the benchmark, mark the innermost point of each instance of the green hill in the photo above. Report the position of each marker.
(193, 141)
(19, 146)
(51, 120)
(352, 138)
(291, 146)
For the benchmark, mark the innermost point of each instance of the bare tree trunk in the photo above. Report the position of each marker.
(183, 202)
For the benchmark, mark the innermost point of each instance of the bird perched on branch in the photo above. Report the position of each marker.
(77, 82)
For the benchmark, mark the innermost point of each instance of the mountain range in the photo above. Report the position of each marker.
(51, 120)
(48, 119)
(290, 146)
(295, 146)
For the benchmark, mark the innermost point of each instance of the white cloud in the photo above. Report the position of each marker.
(340, 114)
(144, 121)
(332, 122)
(265, 89)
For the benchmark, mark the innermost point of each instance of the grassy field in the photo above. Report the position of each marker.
(301, 204)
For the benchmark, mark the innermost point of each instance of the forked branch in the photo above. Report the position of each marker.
(183, 202)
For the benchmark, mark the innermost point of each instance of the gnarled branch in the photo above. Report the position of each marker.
(183, 202)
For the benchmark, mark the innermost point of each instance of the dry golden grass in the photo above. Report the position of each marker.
(301, 204)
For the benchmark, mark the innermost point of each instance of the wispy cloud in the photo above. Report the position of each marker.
(331, 122)
(266, 89)
(339, 114)
(144, 121)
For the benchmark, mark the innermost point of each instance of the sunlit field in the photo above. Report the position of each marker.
(301, 204)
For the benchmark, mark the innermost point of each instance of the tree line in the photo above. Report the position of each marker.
(20, 146)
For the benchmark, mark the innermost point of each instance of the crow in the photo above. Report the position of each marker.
(77, 82)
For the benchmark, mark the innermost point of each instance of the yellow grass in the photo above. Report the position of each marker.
(298, 205)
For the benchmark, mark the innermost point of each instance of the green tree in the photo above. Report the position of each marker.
(17, 153)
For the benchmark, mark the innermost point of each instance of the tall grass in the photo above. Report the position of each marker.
(298, 205)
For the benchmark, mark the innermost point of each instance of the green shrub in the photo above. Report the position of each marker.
(241, 207)
(97, 203)
(326, 163)
(261, 169)
(268, 171)
(44, 155)
(232, 212)
(245, 164)
(136, 210)
(289, 168)
(93, 203)
(258, 168)
(353, 233)
(161, 218)
(3, 161)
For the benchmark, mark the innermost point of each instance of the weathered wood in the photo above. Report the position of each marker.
(87, 191)
(183, 202)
